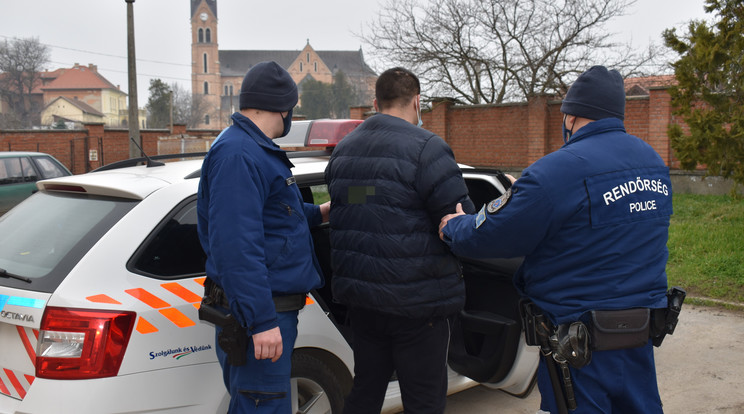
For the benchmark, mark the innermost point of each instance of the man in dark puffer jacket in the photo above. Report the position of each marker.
(390, 183)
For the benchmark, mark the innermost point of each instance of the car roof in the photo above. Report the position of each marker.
(138, 182)
(8, 154)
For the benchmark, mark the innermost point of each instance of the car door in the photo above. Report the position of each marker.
(17, 181)
(487, 343)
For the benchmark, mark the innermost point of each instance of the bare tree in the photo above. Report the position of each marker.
(21, 64)
(493, 51)
(187, 108)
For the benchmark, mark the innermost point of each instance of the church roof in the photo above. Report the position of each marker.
(238, 62)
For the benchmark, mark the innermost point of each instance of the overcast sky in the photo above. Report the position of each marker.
(95, 31)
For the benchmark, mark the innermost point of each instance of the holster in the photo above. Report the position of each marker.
(233, 338)
(664, 321)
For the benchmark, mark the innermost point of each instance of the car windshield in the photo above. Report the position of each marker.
(46, 235)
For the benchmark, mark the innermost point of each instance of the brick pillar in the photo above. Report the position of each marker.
(436, 119)
(178, 129)
(360, 112)
(537, 127)
(659, 117)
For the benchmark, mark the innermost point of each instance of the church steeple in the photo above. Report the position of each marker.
(212, 4)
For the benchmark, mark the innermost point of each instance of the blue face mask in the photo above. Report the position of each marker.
(287, 123)
(566, 132)
(420, 122)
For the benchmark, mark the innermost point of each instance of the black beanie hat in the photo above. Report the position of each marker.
(269, 87)
(597, 93)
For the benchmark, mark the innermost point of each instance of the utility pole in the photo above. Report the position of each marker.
(134, 133)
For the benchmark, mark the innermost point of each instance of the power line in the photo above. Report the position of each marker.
(104, 54)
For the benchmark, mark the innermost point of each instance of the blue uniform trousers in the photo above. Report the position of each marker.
(262, 386)
(615, 382)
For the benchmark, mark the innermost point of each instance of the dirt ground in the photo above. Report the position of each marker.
(700, 370)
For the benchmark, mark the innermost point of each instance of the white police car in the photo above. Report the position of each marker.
(101, 275)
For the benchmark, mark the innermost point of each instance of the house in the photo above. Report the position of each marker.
(69, 110)
(87, 96)
(218, 74)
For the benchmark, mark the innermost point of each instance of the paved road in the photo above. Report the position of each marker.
(700, 370)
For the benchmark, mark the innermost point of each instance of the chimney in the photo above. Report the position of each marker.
(93, 67)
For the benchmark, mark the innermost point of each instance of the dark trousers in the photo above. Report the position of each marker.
(619, 381)
(416, 349)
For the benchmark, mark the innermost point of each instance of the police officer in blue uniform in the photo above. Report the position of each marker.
(591, 221)
(254, 228)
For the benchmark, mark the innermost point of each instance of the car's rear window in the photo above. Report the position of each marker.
(45, 237)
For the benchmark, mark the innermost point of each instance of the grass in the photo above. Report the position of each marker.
(706, 246)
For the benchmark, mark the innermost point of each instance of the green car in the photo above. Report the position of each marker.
(19, 172)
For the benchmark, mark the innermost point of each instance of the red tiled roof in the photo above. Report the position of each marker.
(79, 77)
(647, 82)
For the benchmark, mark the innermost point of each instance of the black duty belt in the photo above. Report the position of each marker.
(282, 303)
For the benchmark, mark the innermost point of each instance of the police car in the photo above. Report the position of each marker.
(101, 277)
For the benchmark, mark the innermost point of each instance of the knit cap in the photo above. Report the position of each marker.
(268, 86)
(597, 93)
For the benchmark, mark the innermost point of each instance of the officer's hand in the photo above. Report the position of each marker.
(268, 344)
(511, 178)
(325, 211)
(448, 217)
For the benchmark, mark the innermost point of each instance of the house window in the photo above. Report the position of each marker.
(226, 94)
(206, 88)
(209, 35)
(231, 89)
(300, 66)
(206, 119)
(201, 35)
(205, 63)
(316, 66)
(308, 58)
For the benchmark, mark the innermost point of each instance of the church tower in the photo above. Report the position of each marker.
(205, 63)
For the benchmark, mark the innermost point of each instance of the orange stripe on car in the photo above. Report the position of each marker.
(103, 299)
(16, 384)
(181, 292)
(177, 317)
(148, 298)
(308, 300)
(200, 280)
(145, 327)
(27, 344)
(4, 389)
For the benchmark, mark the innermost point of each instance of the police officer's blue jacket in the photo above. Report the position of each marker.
(390, 183)
(591, 220)
(253, 224)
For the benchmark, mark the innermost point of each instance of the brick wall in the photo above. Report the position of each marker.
(512, 136)
(507, 136)
(73, 147)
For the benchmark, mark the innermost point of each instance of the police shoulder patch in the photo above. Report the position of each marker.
(497, 204)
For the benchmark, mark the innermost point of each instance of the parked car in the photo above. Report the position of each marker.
(19, 172)
(101, 276)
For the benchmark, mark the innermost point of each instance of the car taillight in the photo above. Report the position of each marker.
(81, 343)
(329, 132)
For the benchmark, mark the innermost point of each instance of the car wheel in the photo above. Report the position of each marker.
(317, 387)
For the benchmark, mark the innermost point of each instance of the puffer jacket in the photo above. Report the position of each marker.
(390, 184)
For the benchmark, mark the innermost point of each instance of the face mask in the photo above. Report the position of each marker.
(287, 123)
(418, 113)
(566, 132)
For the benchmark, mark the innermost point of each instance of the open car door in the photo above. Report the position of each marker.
(487, 343)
